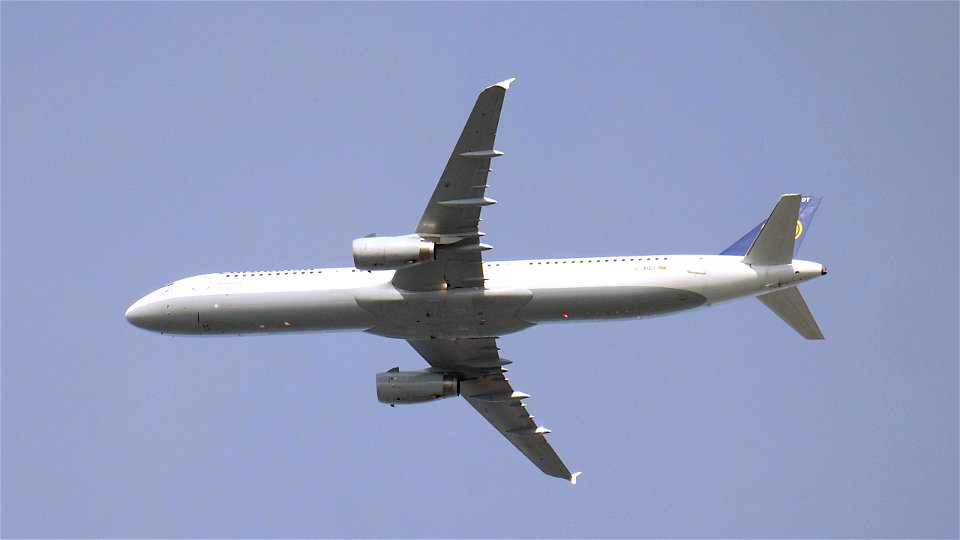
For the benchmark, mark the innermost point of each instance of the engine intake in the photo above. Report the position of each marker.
(391, 252)
(397, 386)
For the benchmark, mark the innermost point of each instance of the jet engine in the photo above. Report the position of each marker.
(397, 386)
(391, 252)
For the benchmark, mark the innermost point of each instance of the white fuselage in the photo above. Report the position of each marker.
(516, 295)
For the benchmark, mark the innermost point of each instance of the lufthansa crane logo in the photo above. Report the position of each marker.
(799, 230)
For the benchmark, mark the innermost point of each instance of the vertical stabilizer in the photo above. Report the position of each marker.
(808, 207)
(774, 245)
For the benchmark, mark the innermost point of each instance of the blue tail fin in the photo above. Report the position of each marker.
(808, 207)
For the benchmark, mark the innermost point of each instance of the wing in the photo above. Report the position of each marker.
(484, 387)
(453, 213)
(451, 221)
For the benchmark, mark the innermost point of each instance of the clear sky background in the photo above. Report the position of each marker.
(143, 143)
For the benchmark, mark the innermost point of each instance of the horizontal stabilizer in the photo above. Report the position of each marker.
(789, 305)
(774, 244)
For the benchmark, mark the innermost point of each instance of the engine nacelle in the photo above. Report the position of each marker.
(391, 252)
(397, 386)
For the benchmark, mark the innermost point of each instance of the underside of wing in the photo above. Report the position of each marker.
(482, 383)
(454, 207)
(452, 216)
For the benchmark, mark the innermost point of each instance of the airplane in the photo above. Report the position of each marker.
(434, 289)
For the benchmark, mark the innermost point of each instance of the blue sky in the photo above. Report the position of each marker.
(142, 143)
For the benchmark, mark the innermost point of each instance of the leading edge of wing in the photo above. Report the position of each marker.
(487, 390)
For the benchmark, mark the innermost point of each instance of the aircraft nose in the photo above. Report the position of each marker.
(146, 315)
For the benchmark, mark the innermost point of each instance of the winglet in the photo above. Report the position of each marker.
(503, 84)
(573, 477)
